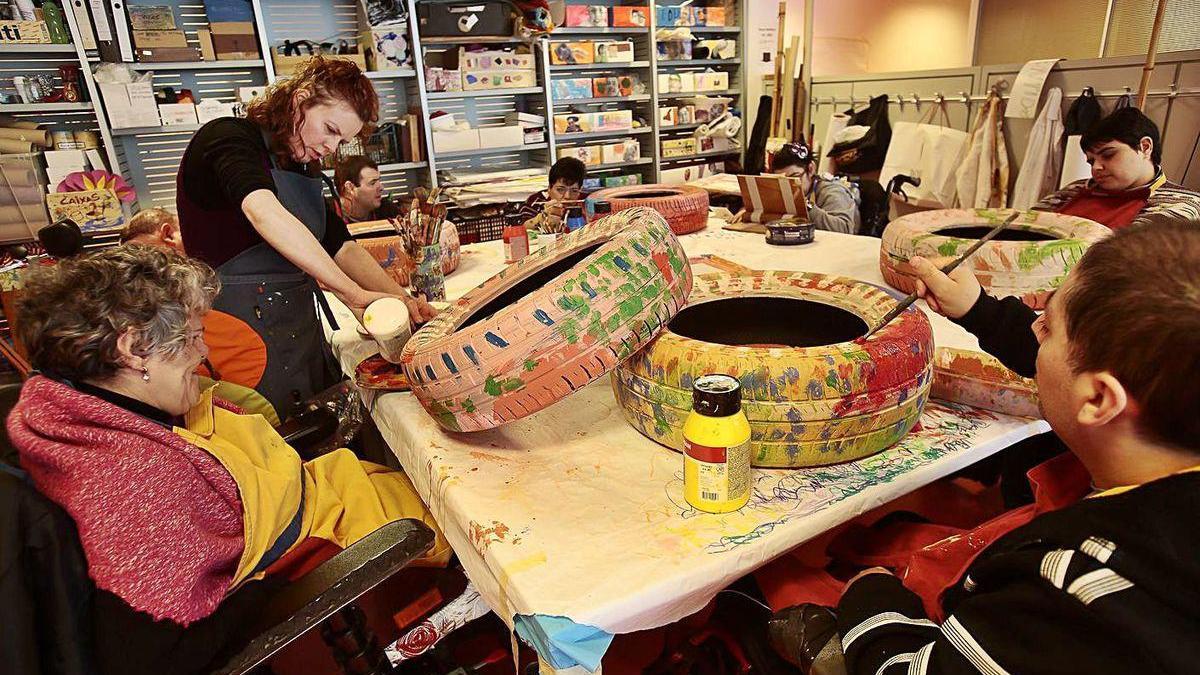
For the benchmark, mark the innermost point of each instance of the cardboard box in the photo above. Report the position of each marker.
(592, 184)
(687, 16)
(24, 32)
(574, 123)
(177, 114)
(534, 135)
(612, 120)
(631, 17)
(687, 114)
(603, 87)
(680, 147)
(92, 210)
(166, 54)
(718, 49)
(589, 16)
(502, 137)
(587, 154)
(247, 94)
(628, 85)
(455, 140)
(627, 150)
(441, 79)
(709, 107)
(473, 80)
(151, 17)
(667, 16)
(575, 87)
(714, 16)
(495, 59)
(676, 83)
(231, 46)
(286, 65)
(130, 105)
(207, 50)
(211, 109)
(385, 48)
(572, 53)
(614, 51)
(524, 118)
(711, 81)
(622, 181)
(675, 50)
(668, 117)
(73, 160)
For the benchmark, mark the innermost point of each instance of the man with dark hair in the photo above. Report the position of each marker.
(546, 210)
(1127, 183)
(360, 191)
(1109, 583)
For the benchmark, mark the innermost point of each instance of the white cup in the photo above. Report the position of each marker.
(387, 321)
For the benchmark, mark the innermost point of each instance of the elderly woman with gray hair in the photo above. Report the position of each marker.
(177, 499)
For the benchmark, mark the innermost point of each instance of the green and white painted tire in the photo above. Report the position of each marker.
(549, 324)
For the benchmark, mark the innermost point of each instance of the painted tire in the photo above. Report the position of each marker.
(1029, 270)
(978, 379)
(451, 248)
(807, 406)
(586, 303)
(399, 266)
(685, 207)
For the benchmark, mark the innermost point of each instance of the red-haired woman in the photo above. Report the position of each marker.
(251, 205)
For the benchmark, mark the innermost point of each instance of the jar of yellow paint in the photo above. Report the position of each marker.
(716, 439)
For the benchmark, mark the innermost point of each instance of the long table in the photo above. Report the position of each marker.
(573, 526)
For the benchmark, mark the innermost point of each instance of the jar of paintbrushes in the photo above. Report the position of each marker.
(420, 231)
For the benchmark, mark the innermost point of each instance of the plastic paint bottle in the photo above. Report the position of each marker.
(516, 243)
(716, 446)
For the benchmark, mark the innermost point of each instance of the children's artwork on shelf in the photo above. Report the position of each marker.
(573, 123)
(631, 17)
(668, 117)
(495, 59)
(675, 50)
(711, 81)
(572, 53)
(572, 88)
(715, 49)
(442, 79)
(586, 154)
(613, 120)
(714, 16)
(686, 114)
(586, 16)
(676, 83)
(629, 85)
(614, 52)
(604, 87)
(498, 79)
(92, 210)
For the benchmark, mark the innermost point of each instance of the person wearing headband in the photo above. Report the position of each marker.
(832, 202)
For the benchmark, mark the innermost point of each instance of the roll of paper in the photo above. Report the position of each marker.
(1075, 166)
(12, 146)
(836, 124)
(10, 122)
(35, 136)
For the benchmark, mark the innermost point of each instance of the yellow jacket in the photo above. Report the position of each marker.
(344, 499)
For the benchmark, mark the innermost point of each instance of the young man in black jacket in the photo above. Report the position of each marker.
(1110, 584)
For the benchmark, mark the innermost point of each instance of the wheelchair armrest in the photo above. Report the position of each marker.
(332, 586)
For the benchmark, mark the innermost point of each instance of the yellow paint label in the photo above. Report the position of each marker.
(716, 480)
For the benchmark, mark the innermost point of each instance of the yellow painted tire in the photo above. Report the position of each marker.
(807, 406)
(980, 380)
(1030, 270)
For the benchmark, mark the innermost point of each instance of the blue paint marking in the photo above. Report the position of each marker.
(638, 247)
(470, 352)
(391, 259)
(542, 316)
(621, 264)
(495, 340)
(430, 374)
(588, 289)
(449, 363)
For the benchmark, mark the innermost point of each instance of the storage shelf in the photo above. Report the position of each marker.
(37, 48)
(604, 99)
(600, 30)
(602, 134)
(173, 129)
(386, 168)
(460, 154)
(599, 66)
(701, 155)
(199, 65)
(680, 127)
(451, 95)
(602, 168)
(694, 94)
(713, 29)
(468, 40)
(45, 107)
(396, 73)
(699, 62)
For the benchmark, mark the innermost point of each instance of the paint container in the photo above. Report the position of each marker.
(788, 232)
(716, 446)
(388, 322)
(575, 219)
(428, 277)
(516, 243)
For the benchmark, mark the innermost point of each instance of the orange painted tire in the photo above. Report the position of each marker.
(842, 399)
(1029, 269)
(980, 380)
(549, 324)
(685, 207)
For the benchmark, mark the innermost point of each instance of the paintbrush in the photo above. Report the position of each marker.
(905, 303)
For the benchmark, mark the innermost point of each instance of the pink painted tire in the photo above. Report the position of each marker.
(451, 248)
(1029, 260)
(980, 380)
(685, 207)
(549, 324)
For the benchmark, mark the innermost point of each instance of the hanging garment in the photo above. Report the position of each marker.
(1083, 113)
(1043, 158)
(865, 154)
(928, 150)
(983, 175)
(838, 122)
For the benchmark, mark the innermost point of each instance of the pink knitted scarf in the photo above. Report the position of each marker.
(160, 519)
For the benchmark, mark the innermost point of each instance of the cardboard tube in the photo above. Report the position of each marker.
(20, 195)
(12, 146)
(35, 136)
(10, 122)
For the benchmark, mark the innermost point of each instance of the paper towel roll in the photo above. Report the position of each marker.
(836, 123)
(34, 136)
(1075, 166)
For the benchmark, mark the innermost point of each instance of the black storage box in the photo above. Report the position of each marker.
(455, 19)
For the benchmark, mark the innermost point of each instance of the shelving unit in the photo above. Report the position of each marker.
(199, 65)
(600, 66)
(45, 107)
(482, 93)
(604, 134)
(36, 48)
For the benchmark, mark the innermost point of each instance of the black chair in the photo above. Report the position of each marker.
(47, 598)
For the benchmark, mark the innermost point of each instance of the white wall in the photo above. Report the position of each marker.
(762, 20)
(879, 36)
